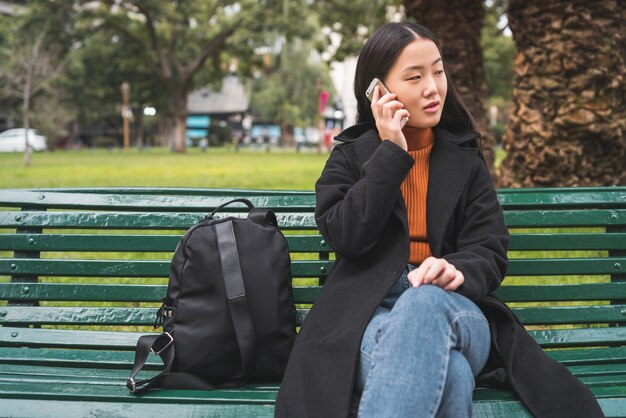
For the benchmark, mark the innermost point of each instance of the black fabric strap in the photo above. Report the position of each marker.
(247, 202)
(263, 216)
(237, 300)
(161, 344)
(166, 380)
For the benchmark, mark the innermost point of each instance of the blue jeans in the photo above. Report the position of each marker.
(420, 353)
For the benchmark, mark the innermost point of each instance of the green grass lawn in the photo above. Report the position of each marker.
(157, 167)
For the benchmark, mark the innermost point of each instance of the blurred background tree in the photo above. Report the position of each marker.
(185, 44)
(288, 93)
(32, 61)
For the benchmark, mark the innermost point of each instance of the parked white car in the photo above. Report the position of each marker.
(13, 140)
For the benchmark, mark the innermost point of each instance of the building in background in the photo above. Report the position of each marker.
(227, 109)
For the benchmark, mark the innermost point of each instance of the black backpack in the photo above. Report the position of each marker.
(228, 317)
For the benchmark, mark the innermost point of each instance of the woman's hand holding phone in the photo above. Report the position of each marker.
(390, 116)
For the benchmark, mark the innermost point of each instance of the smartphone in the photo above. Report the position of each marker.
(376, 82)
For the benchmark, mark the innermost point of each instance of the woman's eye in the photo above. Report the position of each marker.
(415, 77)
(439, 72)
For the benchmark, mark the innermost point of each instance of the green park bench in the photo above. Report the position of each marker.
(83, 271)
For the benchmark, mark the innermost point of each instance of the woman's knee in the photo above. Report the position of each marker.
(426, 298)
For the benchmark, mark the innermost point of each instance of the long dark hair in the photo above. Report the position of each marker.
(378, 56)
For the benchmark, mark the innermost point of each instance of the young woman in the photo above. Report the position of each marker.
(407, 320)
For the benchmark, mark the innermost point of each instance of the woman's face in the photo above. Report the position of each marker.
(418, 79)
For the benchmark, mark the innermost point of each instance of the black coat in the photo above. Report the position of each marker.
(361, 213)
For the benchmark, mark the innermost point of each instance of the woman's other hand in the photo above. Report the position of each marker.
(438, 272)
(390, 116)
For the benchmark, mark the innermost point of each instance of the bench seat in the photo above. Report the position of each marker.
(83, 271)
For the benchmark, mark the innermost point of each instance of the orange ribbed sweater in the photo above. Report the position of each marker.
(414, 188)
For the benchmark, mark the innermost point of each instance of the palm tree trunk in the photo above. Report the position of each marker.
(458, 24)
(566, 124)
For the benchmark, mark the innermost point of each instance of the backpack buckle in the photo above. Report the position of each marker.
(165, 346)
(131, 385)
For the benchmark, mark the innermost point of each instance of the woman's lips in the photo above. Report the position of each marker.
(432, 108)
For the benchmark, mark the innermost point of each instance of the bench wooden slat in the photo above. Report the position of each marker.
(177, 191)
(537, 198)
(607, 374)
(562, 292)
(609, 355)
(583, 337)
(134, 220)
(165, 203)
(286, 220)
(44, 390)
(128, 408)
(125, 268)
(564, 218)
(591, 241)
(105, 359)
(110, 292)
(111, 359)
(302, 294)
(62, 315)
(127, 243)
(10, 336)
(297, 243)
(581, 198)
(57, 315)
(566, 266)
(300, 268)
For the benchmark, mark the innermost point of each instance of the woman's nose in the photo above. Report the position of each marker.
(431, 87)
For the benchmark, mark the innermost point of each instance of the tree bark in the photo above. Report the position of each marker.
(566, 124)
(458, 25)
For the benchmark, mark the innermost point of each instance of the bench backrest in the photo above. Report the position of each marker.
(99, 258)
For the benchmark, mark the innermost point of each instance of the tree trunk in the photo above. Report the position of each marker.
(458, 24)
(286, 135)
(180, 129)
(179, 111)
(566, 124)
(166, 131)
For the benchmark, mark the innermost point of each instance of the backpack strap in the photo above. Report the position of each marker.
(162, 345)
(247, 202)
(237, 300)
(263, 216)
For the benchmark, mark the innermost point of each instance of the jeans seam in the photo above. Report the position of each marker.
(442, 382)
(459, 315)
(366, 355)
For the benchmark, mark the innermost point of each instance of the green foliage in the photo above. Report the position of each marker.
(96, 71)
(352, 22)
(32, 57)
(498, 54)
(289, 95)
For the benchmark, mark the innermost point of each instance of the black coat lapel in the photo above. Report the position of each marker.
(450, 168)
